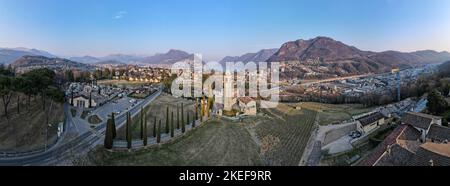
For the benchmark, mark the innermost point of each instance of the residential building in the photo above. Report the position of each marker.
(370, 122)
(421, 122)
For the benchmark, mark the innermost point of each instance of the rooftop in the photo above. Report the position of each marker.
(368, 119)
(438, 132)
(418, 120)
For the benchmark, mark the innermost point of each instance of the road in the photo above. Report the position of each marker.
(79, 145)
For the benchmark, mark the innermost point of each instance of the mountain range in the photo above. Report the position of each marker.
(260, 56)
(338, 58)
(31, 62)
(170, 57)
(320, 55)
(9, 55)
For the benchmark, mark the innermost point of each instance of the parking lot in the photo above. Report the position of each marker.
(117, 106)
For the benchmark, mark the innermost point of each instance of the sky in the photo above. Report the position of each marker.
(217, 28)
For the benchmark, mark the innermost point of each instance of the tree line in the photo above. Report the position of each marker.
(37, 82)
(183, 118)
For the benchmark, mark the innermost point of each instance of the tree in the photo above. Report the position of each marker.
(196, 110)
(5, 92)
(158, 137)
(69, 76)
(210, 106)
(178, 117)
(172, 130)
(183, 125)
(128, 130)
(436, 102)
(108, 143)
(18, 86)
(182, 117)
(40, 80)
(113, 123)
(142, 123)
(90, 99)
(167, 120)
(193, 121)
(202, 107)
(145, 130)
(71, 97)
(188, 122)
(154, 128)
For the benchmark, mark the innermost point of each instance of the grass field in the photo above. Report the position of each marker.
(276, 137)
(330, 113)
(214, 143)
(123, 83)
(26, 131)
(138, 96)
(158, 109)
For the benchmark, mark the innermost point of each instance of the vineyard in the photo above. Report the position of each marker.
(275, 136)
(284, 139)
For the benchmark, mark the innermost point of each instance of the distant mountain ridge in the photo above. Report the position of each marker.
(342, 59)
(85, 59)
(9, 55)
(260, 56)
(31, 62)
(172, 56)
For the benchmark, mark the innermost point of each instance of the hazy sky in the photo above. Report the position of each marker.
(217, 28)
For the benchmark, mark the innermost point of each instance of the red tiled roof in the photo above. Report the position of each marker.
(245, 99)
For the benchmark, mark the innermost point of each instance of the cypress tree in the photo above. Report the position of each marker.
(193, 121)
(108, 143)
(178, 117)
(182, 117)
(128, 130)
(90, 99)
(142, 123)
(158, 137)
(154, 128)
(145, 130)
(202, 107)
(183, 126)
(114, 132)
(172, 130)
(167, 120)
(188, 118)
(196, 110)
